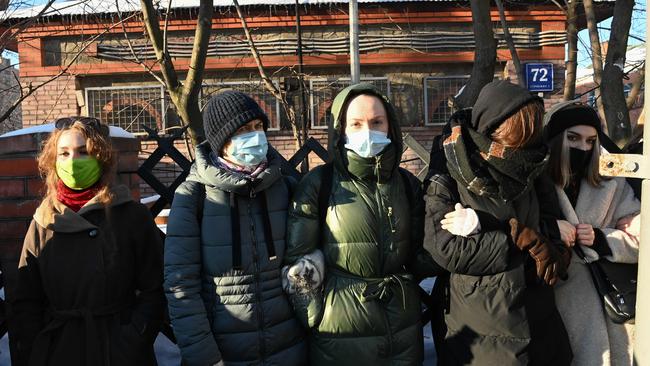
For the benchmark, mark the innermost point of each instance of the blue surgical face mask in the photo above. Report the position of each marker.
(367, 143)
(249, 149)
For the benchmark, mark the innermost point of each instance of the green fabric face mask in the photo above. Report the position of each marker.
(79, 173)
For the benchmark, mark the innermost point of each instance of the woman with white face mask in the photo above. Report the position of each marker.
(365, 214)
(225, 244)
(600, 216)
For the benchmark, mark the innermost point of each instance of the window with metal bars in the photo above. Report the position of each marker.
(128, 107)
(323, 91)
(255, 89)
(438, 93)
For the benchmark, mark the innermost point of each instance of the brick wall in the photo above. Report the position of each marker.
(53, 100)
(21, 190)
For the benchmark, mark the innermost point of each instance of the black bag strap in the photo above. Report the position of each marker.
(266, 222)
(236, 235)
(324, 193)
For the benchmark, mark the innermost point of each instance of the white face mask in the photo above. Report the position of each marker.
(249, 149)
(367, 143)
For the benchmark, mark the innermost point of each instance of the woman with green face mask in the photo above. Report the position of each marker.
(89, 288)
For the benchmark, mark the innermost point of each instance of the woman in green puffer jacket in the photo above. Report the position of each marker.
(370, 234)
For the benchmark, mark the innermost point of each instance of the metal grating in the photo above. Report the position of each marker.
(323, 91)
(128, 107)
(437, 94)
(255, 90)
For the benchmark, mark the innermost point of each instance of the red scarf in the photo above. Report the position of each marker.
(75, 199)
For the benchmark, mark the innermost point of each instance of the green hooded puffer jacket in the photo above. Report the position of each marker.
(372, 242)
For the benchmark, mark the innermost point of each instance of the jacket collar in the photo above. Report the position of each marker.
(58, 217)
(206, 173)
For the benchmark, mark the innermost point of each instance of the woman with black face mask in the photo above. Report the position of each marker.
(600, 215)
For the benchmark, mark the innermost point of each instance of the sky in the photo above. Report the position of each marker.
(637, 33)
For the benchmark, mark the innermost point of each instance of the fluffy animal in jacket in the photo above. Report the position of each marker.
(304, 276)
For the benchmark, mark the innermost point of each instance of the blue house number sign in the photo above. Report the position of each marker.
(539, 77)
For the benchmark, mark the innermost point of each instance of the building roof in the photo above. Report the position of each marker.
(97, 7)
(82, 7)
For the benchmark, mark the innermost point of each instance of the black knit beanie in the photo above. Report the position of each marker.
(569, 114)
(225, 113)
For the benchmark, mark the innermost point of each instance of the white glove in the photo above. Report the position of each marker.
(461, 221)
(305, 275)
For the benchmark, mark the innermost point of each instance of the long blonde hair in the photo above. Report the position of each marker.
(559, 162)
(98, 145)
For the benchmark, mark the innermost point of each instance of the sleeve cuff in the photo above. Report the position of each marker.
(488, 222)
(600, 243)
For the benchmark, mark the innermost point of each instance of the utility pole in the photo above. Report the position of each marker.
(304, 124)
(638, 166)
(355, 70)
(642, 320)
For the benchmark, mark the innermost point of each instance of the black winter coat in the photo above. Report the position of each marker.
(89, 288)
(497, 311)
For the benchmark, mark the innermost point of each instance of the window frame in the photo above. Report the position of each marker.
(163, 125)
(312, 106)
(227, 83)
(425, 95)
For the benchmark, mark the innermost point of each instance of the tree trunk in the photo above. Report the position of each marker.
(616, 112)
(185, 96)
(511, 45)
(572, 50)
(596, 56)
(485, 54)
(268, 83)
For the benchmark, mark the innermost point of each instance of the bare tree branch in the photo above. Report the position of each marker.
(130, 44)
(596, 53)
(14, 29)
(169, 9)
(484, 55)
(511, 44)
(194, 78)
(572, 50)
(270, 86)
(617, 114)
(153, 29)
(31, 89)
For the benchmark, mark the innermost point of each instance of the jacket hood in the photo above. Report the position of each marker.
(335, 146)
(206, 173)
(60, 218)
(497, 101)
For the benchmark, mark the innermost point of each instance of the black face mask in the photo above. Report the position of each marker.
(579, 159)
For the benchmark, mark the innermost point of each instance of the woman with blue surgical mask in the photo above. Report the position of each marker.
(365, 214)
(225, 246)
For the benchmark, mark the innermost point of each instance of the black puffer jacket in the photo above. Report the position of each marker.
(497, 311)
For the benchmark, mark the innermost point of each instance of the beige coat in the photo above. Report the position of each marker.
(596, 340)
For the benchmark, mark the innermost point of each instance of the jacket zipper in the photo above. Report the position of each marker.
(256, 277)
(380, 206)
